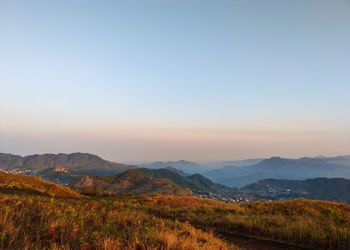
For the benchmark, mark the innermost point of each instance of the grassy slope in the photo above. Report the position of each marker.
(39, 222)
(194, 182)
(33, 184)
(132, 181)
(303, 223)
(168, 222)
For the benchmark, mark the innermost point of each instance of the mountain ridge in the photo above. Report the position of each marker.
(86, 162)
(195, 182)
(187, 167)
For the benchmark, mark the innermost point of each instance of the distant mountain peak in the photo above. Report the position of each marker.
(183, 161)
(180, 165)
(277, 161)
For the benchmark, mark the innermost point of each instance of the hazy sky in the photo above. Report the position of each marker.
(170, 79)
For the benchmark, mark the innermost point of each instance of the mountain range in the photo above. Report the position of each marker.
(88, 163)
(199, 168)
(85, 168)
(66, 169)
(237, 163)
(282, 168)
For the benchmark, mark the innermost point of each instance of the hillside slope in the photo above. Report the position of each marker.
(301, 223)
(131, 181)
(196, 182)
(169, 222)
(11, 183)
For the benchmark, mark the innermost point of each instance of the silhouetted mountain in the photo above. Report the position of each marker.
(184, 166)
(79, 161)
(238, 163)
(131, 181)
(330, 189)
(199, 168)
(281, 168)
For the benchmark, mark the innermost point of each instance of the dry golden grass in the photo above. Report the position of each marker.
(38, 222)
(304, 223)
(181, 202)
(34, 184)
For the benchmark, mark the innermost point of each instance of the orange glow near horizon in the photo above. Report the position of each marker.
(151, 143)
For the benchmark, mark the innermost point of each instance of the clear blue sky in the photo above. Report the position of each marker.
(166, 80)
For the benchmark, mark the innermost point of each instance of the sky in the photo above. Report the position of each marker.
(199, 80)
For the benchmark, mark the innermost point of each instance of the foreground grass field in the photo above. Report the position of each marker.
(301, 223)
(39, 222)
(166, 222)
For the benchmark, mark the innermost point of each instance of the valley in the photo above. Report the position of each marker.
(97, 175)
